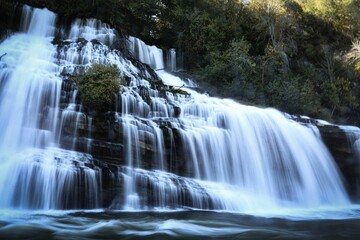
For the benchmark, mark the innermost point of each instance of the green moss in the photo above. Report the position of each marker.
(178, 91)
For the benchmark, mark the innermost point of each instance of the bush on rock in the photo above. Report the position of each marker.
(98, 86)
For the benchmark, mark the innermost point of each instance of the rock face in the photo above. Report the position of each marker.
(104, 139)
(344, 145)
(108, 138)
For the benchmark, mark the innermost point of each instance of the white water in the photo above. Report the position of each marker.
(44, 177)
(232, 157)
(28, 81)
(171, 60)
(147, 54)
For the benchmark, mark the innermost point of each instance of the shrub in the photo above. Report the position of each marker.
(98, 86)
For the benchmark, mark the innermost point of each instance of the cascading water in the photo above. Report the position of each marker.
(147, 54)
(171, 60)
(34, 174)
(231, 143)
(178, 149)
(28, 77)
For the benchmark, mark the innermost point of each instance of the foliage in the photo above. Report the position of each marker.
(338, 94)
(342, 14)
(233, 68)
(353, 56)
(295, 55)
(272, 16)
(98, 86)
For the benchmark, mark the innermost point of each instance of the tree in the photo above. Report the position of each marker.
(274, 18)
(277, 22)
(353, 56)
(338, 94)
(328, 62)
(342, 14)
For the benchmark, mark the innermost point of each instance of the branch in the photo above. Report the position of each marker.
(2, 56)
(181, 86)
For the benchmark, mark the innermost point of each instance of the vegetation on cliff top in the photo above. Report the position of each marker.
(301, 56)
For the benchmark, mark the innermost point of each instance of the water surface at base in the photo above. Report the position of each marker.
(173, 225)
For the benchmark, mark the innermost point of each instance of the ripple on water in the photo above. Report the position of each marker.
(170, 225)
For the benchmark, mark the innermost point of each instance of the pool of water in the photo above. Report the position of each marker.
(182, 224)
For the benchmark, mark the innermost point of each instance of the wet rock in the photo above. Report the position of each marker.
(341, 143)
(145, 71)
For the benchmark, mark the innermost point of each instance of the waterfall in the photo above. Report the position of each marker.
(231, 143)
(34, 173)
(174, 147)
(92, 29)
(171, 60)
(28, 84)
(147, 54)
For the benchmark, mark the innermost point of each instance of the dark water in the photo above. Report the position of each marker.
(175, 225)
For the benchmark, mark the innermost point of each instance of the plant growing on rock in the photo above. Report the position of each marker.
(98, 86)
